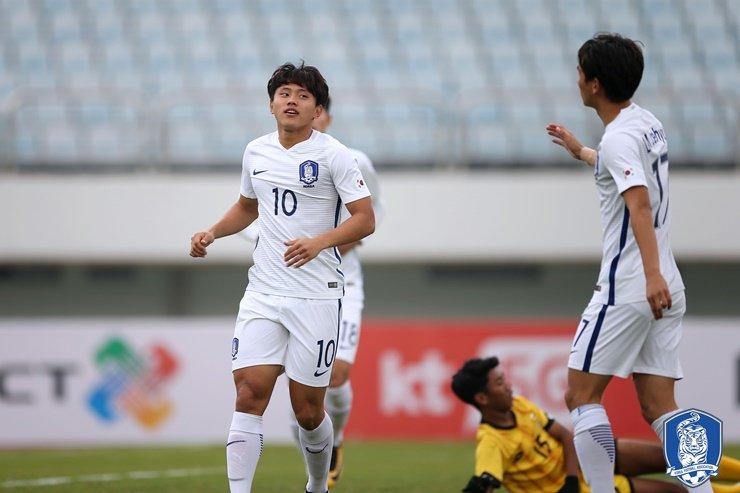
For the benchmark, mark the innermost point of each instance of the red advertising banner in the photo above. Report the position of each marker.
(401, 379)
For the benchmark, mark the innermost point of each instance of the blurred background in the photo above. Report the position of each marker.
(122, 126)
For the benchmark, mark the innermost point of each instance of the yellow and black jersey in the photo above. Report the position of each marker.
(523, 457)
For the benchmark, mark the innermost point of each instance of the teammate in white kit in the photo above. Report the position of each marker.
(339, 395)
(295, 180)
(632, 326)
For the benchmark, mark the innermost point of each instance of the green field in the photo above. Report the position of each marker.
(370, 467)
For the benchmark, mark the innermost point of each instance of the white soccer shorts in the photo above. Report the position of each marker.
(349, 330)
(298, 333)
(624, 339)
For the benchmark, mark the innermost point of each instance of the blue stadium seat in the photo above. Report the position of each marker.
(710, 143)
(522, 53)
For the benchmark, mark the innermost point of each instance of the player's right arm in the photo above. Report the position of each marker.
(243, 213)
(239, 216)
(564, 138)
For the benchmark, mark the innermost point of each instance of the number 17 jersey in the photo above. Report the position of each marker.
(299, 192)
(633, 152)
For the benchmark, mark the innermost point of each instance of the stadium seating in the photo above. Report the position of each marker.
(417, 82)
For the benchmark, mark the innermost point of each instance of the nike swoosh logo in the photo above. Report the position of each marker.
(317, 374)
(235, 441)
(255, 172)
(574, 351)
(316, 451)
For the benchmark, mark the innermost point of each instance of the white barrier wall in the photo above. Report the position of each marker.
(163, 381)
(431, 216)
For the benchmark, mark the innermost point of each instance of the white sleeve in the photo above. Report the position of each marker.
(246, 188)
(347, 178)
(371, 180)
(251, 232)
(620, 154)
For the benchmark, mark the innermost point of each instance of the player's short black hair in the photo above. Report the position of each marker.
(472, 378)
(616, 61)
(327, 107)
(306, 76)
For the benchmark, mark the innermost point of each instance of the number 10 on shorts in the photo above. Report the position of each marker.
(326, 356)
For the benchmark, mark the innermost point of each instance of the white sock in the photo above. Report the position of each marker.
(594, 443)
(339, 405)
(316, 447)
(658, 424)
(658, 428)
(243, 451)
(294, 431)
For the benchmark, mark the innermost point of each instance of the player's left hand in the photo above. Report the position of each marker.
(301, 251)
(658, 295)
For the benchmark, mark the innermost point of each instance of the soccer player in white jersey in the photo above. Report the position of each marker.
(632, 326)
(295, 180)
(339, 395)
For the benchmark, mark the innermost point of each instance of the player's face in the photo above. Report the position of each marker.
(498, 394)
(322, 122)
(294, 107)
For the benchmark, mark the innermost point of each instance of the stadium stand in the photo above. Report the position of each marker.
(181, 83)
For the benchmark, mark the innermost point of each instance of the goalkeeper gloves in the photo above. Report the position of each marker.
(480, 484)
(571, 485)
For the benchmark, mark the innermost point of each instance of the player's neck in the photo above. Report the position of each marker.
(289, 138)
(608, 110)
(501, 419)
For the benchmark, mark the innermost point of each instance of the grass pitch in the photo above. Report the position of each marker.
(370, 467)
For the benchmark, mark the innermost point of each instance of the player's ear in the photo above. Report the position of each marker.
(271, 109)
(317, 112)
(481, 399)
(595, 86)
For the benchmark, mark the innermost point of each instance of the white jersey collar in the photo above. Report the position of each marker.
(621, 116)
(311, 138)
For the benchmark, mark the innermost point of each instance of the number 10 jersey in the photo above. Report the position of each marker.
(299, 192)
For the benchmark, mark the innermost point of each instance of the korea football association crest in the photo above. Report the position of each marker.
(692, 446)
(308, 172)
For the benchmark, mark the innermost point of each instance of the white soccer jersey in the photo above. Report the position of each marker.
(300, 192)
(351, 260)
(632, 152)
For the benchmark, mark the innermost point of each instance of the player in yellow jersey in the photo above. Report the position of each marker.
(522, 449)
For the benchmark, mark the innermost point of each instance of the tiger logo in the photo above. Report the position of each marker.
(693, 446)
(692, 441)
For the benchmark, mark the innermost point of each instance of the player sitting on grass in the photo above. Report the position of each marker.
(520, 448)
